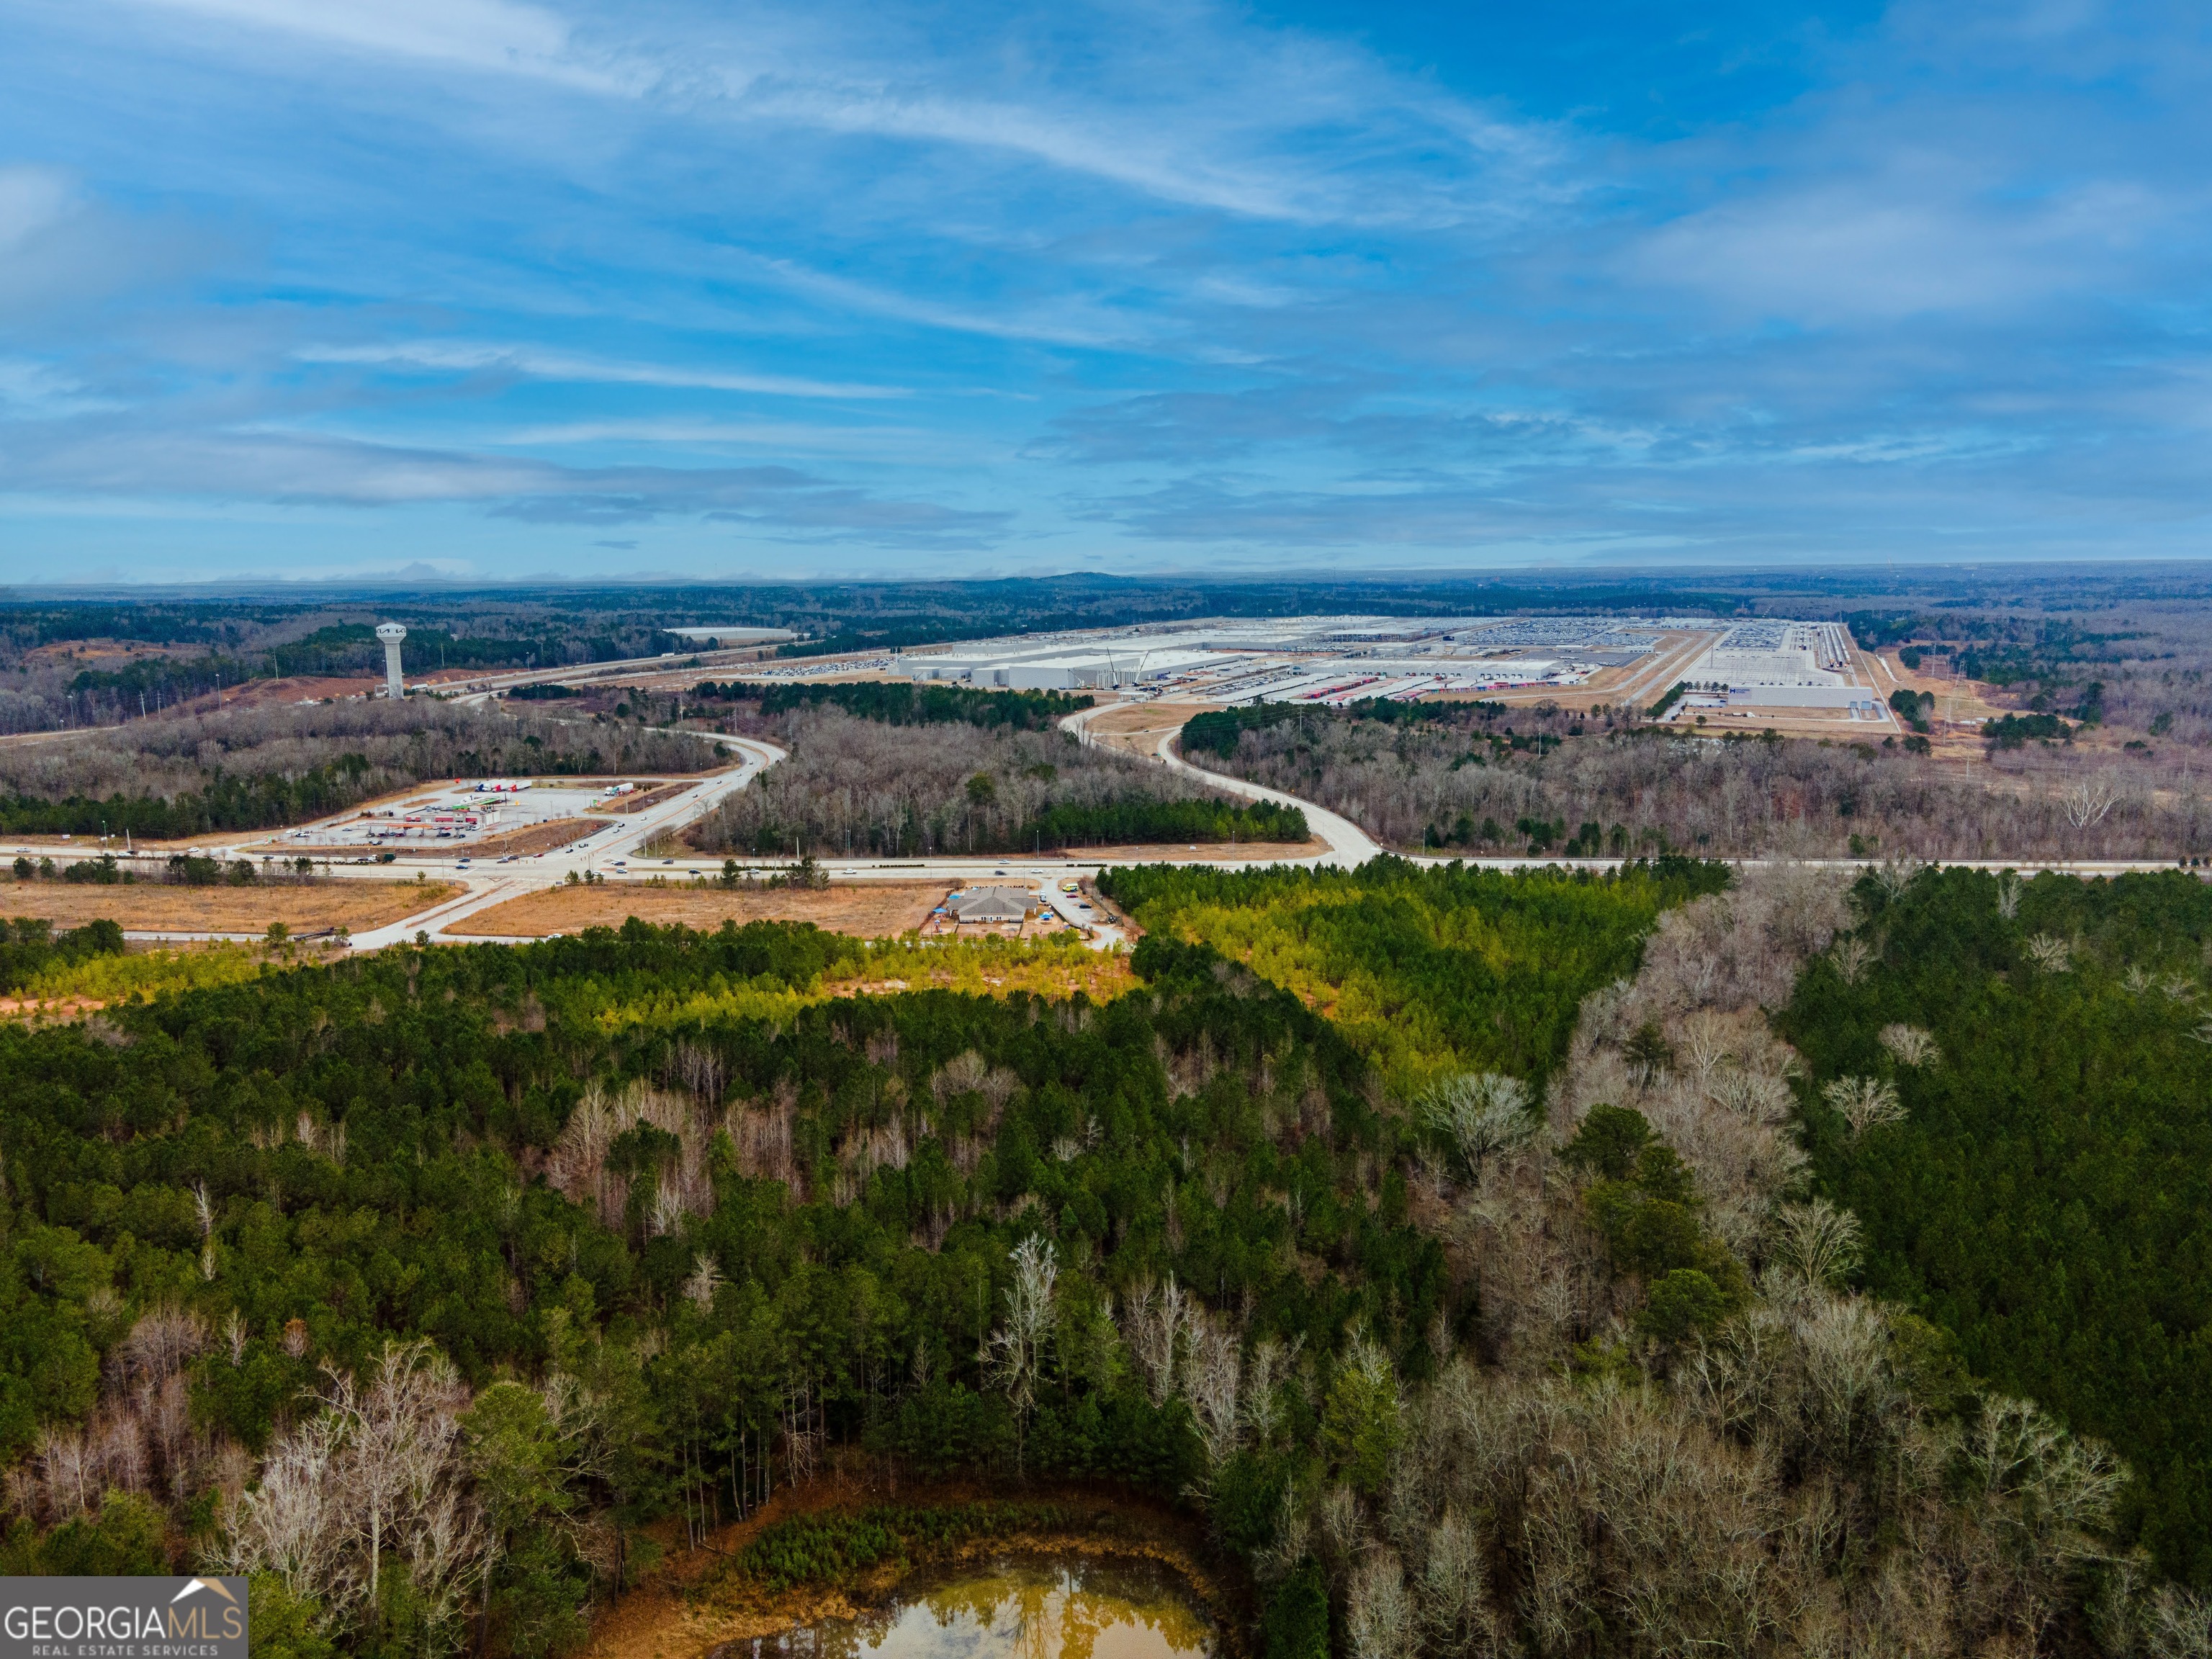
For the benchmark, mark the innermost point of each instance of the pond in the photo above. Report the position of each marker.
(1053, 1606)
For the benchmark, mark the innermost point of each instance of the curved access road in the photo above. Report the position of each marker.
(616, 852)
(622, 839)
(1349, 845)
(617, 842)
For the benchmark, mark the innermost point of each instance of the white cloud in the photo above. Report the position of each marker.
(120, 463)
(495, 35)
(468, 357)
(37, 391)
(32, 200)
(1076, 324)
(1195, 105)
(1146, 160)
(903, 443)
(1893, 247)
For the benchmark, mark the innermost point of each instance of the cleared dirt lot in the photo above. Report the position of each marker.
(537, 838)
(1135, 727)
(874, 910)
(650, 798)
(354, 905)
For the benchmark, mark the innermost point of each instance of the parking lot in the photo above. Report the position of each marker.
(468, 812)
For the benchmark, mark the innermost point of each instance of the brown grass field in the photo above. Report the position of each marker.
(874, 910)
(145, 907)
(1180, 852)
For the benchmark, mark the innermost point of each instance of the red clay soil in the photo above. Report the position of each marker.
(263, 694)
(51, 1007)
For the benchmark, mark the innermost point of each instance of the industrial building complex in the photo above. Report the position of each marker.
(1301, 658)
(1784, 671)
(1798, 672)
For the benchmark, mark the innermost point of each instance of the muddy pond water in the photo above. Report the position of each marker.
(1030, 1607)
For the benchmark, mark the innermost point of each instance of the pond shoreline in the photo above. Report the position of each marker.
(692, 1601)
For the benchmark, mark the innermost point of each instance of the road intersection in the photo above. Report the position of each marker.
(617, 852)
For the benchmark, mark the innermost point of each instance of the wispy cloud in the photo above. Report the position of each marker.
(457, 356)
(32, 200)
(1197, 110)
(498, 36)
(1235, 288)
(909, 444)
(1090, 327)
(35, 389)
(1901, 245)
(96, 457)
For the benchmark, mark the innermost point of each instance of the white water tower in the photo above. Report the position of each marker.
(391, 634)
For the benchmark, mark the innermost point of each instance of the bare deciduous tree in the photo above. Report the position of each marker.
(372, 1481)
(1895, 876)
(1865, 1101)
(1911, 1045)
(1213, 1384)
(1452, 1597)
(1381, 1618)
(1480, 1113)
(2177, 1623)
(2087, 800)
(706, 1279)
(1815, 1243)
(1017, 1351)
(1156, 1328)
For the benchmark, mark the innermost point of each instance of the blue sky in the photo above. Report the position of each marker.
(327, 288)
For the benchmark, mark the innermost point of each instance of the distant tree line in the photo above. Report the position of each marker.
(1216, 731)
(29, 947)
(902, 703)
(859, 787)
(1543, 780)
(261, 769)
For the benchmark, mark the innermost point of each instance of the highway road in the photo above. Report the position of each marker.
(486, 883)
(615, 854)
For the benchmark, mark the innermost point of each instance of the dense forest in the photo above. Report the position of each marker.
(1430, 971)
(519, 1249)
(2034, 1168)
(1485, 779)
(30, 948)
(864, 786)
(899, 703)
(221, 1195)
(258, 768)
(1217, 731)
